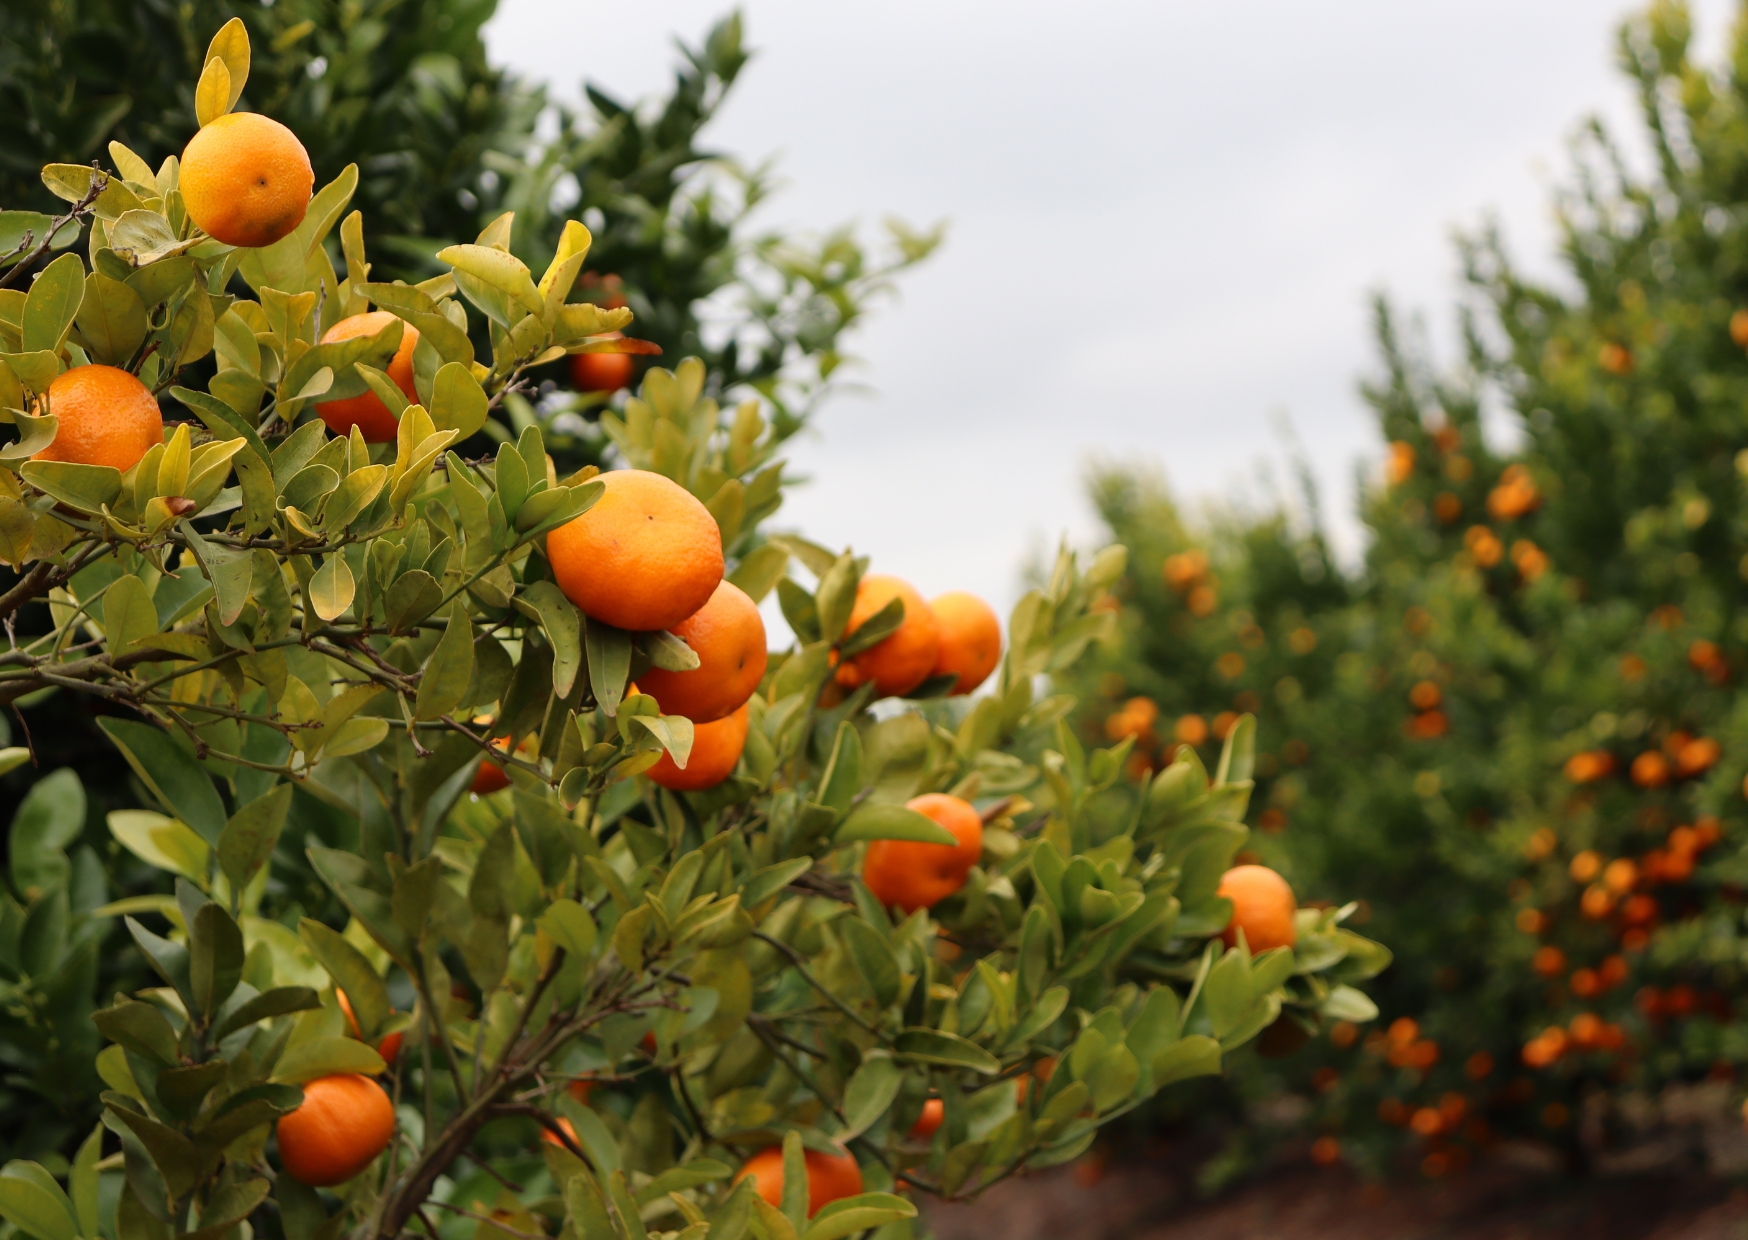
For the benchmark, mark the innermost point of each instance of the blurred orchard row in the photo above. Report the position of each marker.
(1517, 730)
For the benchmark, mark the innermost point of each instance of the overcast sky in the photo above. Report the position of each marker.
(1165, 220)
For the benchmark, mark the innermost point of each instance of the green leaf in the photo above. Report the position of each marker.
(609, 654)
(849, 1215)
(326, 1057)
(128, 613)
(230, 1204)
(414, 595)
(352, 973)
(356, 492)
(251, 834)
(161, 842)
(922, 1045)
(85, 487)
(875, 629)
(1193, 1056)
(1238, 754)
(280, 1001)
(52, 303)
(570, 926)
(892, 822)
(215, 957)
(82, 1182)
(765, 883)
(869, 1094)
(1346, 1003)
(171, 773)
(111, 319)
(331, 591)
(760, 569)
(873, 958)
(673, 733)
(140, 1028)
(446, 675)
(50, 818)
(173, 1154)
(31, 1201)
(458, 402)
(558, 617)
(231, 45)
(494, 269)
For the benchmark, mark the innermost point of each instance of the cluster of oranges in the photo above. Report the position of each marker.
(344, 1121)
(1585, 1032)
(1515, 496)
(1139, 716)
(1682, 756)
(1402, 1046)
(1187, 573)
(1429, 721)
(954, 635)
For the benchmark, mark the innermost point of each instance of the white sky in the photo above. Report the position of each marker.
(1165, 220)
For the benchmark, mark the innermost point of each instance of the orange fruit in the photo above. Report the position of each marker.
(551, 1137)
(830, 1177)
(728, 636)
(903, 660)
(105, 416)
(366, 410)
(646, 556)
(913, 875)
(246, 179)
(934, 1113)
(970, 639)
(489, 778)
(343, 1123)
(390, 1045)
(1262, 906)
(716, 748)
(601, 372)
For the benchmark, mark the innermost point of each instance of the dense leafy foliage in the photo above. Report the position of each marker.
(308, 644)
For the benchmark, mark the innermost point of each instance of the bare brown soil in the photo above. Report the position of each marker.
(1151, 1199)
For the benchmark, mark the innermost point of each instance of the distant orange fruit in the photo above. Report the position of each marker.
(1650, 769)
(104, 416)
(1589, 765)
(909, 874)
(1698, 756)
(645, 557)
(1262, 906)
(366, 410)
(1739, 328)
(716, 748)
(343, 1123)
(903, 659)
(830, 1177)
(728, 636)
(246, 179)
(970, 639)
(489, 778)
(929, 1122)
(601, 372)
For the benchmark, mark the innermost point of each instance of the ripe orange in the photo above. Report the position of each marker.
(551, 1138)
(929, 1122)
(1262, 906)
(390, 1045)
(646, 556)
(246, 179)
(489, 778)
(366, 410)
(716, 748)
(902, 660)
(913, 875)
(343, 1123)
(728, 636)
(970, 639)
(105, 416)
(830, 1177)
(601, 372)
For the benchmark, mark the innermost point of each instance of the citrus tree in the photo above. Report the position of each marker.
(1518, 737)
(613, 899)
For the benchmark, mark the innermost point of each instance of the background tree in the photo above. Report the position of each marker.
(1517, 734)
